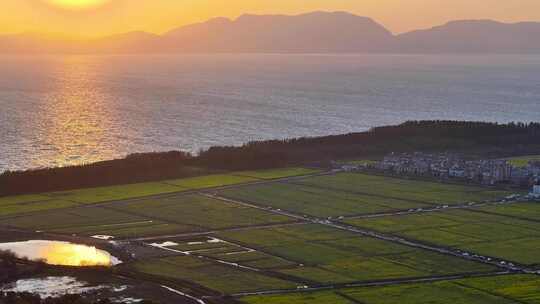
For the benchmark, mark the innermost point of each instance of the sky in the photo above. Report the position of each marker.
(93, 18)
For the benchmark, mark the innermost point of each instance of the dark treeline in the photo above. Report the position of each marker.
(489, 139)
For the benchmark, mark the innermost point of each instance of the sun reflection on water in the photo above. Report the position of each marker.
(61, 253)
(78, 117)
(74, 255)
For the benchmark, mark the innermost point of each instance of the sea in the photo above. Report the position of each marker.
(61, 110)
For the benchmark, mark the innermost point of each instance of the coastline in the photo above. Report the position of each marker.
(489, 139)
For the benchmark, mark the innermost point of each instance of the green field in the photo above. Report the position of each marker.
(404, 189)
(529, 211)
(523, 161)
(231, 252)
(180, 213)
(57, 200)
(278, 173)
(269, 251)
(491, 290)
(210, 181)
(509, 238)
(209, 274)
(316, 201)
(327, 255)
(29, 204)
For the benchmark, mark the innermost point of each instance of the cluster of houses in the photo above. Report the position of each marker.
(447, 165)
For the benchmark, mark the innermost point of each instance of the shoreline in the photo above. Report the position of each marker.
(491, 140)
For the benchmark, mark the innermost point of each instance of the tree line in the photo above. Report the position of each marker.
(489, 139)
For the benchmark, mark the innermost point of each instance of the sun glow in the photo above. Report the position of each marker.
(61, 253)
(75, 255)
(77, 4)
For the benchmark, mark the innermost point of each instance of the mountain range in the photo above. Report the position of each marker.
(317, 32)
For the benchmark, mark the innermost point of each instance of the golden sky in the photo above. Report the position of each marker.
(88, 18)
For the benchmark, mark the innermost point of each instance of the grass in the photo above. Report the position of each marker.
(210, 181)
(146, 217)
(215, 276)
(509, 289)
(64, 199)
(324, 297)
(334, 256)
(523, 161)
(278, 173)
(318, 202)
(199, 211)
(509, 238)
(11, 208)
(115, 193)
(529, 211)
(404, 189)
(231, 252)
(89, 221)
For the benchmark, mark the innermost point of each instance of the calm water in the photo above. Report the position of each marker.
(56, 111)
(61, 253)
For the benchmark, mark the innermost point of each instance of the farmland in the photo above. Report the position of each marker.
(175, 214)
(404, 189)
(502, 236)
(278, 173)
(208, 274)
(58, 200)
(503, 290)
(328, 255)
(356, 194)
(315, 201)
(266, 236)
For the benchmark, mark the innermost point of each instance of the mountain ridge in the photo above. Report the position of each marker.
(314, 32)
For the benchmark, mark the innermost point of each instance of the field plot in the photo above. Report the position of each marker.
(500, 236)
(31, 203)
(512, 289)
(63, 199)
(113, 193)
(212, 275)
(227, 251)
(325, 255)
(278, 173)
(530, 211)
(316, 201)
(199, 211)
(91, 221)
(210, 181)
(181, 213)
(404, 189)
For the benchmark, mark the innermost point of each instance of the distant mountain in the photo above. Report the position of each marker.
(473, 36)
(313, 32)
(318, 32)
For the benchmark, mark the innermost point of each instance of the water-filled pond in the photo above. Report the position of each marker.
(51, 286)
(61, 253)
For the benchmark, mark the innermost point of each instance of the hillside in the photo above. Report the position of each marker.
(317, 32)
(473, 36)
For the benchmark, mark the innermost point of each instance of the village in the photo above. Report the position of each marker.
(455, 166)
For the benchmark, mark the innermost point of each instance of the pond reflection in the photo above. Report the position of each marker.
(61, 253)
